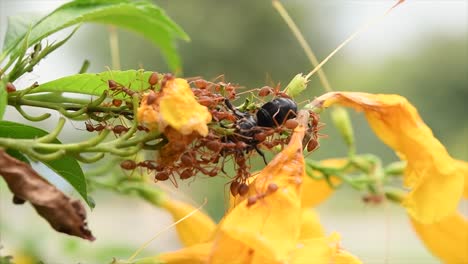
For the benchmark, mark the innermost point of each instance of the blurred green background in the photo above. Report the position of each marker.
(418, 51)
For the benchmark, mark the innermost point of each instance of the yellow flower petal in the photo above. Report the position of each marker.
(196, 254)
(180, 110)
(446, 239)
(20, 258)
(175, 106)
(344, 257)
(463, 166)
(271, 226)
(195, 229)
(324, 250)
(228, 250)
(317, 191)
(435, 181)
(310, 225)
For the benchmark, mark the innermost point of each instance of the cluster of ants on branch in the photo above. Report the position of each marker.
(234, 133)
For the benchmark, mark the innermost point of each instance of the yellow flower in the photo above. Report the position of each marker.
(275, 229)
(175, 106)
(197, 230)
(435, 179)
(319, 190)
(464, 167)
(446, 239)
(310, 225)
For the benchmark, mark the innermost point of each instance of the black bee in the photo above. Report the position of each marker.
(276, 112)
(245, 123)
(271, 114)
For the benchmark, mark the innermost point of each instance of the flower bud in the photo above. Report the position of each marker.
(342, 121)
(296, 85)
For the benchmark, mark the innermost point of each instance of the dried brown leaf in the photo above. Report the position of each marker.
(63, 214)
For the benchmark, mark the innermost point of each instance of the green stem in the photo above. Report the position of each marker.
(53, 135)
(30, 117)
(55, 97)
(61, 107)
(91, 159)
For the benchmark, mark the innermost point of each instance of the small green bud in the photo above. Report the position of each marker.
(342, 121)
(395, 195)
(395, 168)
(296, 85)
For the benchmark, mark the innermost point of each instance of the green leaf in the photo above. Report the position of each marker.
(96, 84)
(67, 167)
(3, 98)
(140, 16)
(17, 155)
(17, 27)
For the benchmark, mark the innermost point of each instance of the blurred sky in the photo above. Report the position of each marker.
(396, 34)
(397, 50)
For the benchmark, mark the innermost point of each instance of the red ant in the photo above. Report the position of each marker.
(116, 102)
(373, 199)
(218, 116)
(238, 188)
(142, 128)
(128, 165)
(10, 88)
(119, 129)
(166, 77)
(311, 138)
(200, 83)
(119, 88)
(267, 90)
(91, 128)
(271, 188)
(153, 79)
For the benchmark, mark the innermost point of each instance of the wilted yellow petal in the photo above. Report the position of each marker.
(175, 106)
(180, 110)
(197, 228)
(446, 239)
(323, 250)
(310, 225)
(435, 181)
(196, 254)
(148, 114)
(270, 227)
(317, 191)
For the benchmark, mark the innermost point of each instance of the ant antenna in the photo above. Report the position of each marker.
(346, 41)
(138, 251)
(357, 32)
(305, 46)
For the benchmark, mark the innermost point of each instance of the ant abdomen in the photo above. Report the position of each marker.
(276, 112)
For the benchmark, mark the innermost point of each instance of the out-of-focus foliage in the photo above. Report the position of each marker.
(139, 16)
(247, 41)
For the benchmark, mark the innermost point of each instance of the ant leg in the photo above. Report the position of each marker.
(233, 109)
(261, 154)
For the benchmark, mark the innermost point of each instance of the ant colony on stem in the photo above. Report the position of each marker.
(234, 133)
